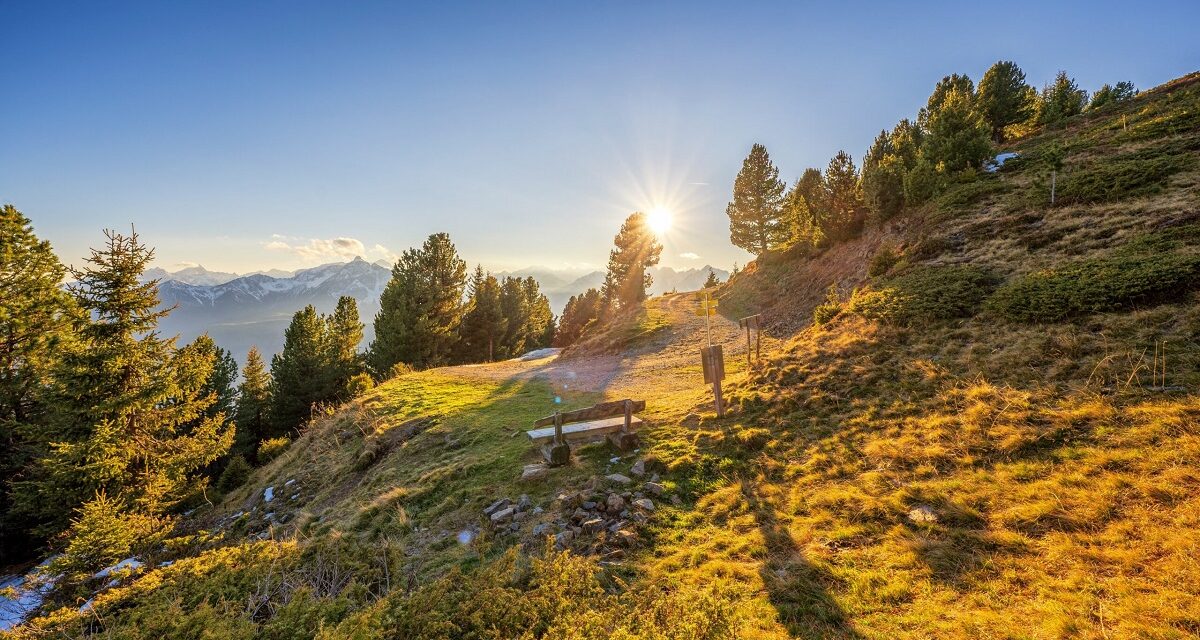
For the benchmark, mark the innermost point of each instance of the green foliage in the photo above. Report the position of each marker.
(1060, 100)
(883, 178)
(528, 322)
(220, 382)
(966, 191)
(925, 294)
(841, 210)
(636, 249)
(359, 384)
(1120, 281)
(1004, 99)
(757, 220)
(299, 372)
(104, 533)
(829, 309)
(35, 320)
(1108, 95)
(343, 333)
(953, 83)
(253, 405)
(800, 208)
(484, 323)
(922, 182)
(712, 280)
(957, 137)
(884, 259)
(272, 448)
(1125, 176)
(421, 308)
(578, 316)
(237, 470)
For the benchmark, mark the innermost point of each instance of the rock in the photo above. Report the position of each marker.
(625, 538)
(676, 501)
(638, 469)
(520, 515)
(580, 515)
(691, 420)
(644, 504)
(524, 502)
(496, 506)
(564, 538)
(618, 478)
(589, 505)
(654, 478)
(541, 529)
(615, 503)
(537, 511)
(515, 526)
(502, 515)
(593, 526)
(268, 494)
(922, 514)
(533, 472)
(654, 488)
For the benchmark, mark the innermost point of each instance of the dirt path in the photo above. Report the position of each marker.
(667, 363)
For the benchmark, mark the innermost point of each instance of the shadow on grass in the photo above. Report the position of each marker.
(796, 588)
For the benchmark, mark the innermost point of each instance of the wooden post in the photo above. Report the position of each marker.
(748, 363)
(558, 437)
(557, 452)
(625, 439)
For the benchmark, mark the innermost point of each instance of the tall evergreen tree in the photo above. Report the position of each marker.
(712, 280)
(577, 317)
(1004, 99)
(801, 219)
(514, 306)
(35, 319)
(253, 405)
(637, 249)
(1061, 100)
(299, 373)
(842, 210)
(957, 138)
(484, 323)
(221, 382)
(953, 83)
(883, 178)
(539, 323)
(421, 308)
(129, 428)
(756, 216)
(1107, 95)
(906, 142)
(343, 333)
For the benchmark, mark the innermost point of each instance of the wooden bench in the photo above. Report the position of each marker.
(615, 419)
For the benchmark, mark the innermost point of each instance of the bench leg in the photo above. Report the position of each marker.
(557, 454)
(623, 441)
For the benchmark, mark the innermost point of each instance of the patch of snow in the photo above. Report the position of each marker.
(166, 563)
(538, 354)
(127, 563)
(999, 161)
(268, 494)
(30, 590)
(289, 483)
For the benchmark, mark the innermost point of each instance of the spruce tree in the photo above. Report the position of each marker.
(953, 83)
(842, 209)
(343, 333)
(299, 375)
(577, 317)
(883, 178)
(483, 324)
(221, 382)
(637, 249)
(756, 216)
(712, 280)
(130, 426)
(957, 138)
(514, 307)
(35, 319)
(1061, 100)
(1004, 99)
(906, 141)
(253, 405)
(421, 308)
(1107, 95)
(539, 322)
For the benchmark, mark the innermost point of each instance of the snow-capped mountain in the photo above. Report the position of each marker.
(255, 309)
(196, 275)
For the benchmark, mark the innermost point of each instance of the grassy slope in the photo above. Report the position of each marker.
(1063, 492)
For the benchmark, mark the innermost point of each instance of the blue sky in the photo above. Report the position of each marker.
(251, 135)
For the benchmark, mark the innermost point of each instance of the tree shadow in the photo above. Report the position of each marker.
(798, 589)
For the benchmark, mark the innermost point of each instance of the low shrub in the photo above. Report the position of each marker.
(968, 193)
(359, 385)
(829, 309)
(1125, 176)
(1108, 283)
(926, 294)
(271, 448)
(883, 261)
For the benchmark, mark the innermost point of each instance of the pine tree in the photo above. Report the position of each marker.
(1107, 95)
(953, 83)
(756, 216)
(299, 373)
(712, 280)
(577, 317)
(483, 323)
(883, 178)
(129, 424)
(637, 249)
(253, 405)
(1004, 99)
(906, 141)
(842, 209)
(220, 382)
(35, 319)
(421, 308)
(343, 333)
(957, 138)
(1061, 100)
(539, 323)
(514, 307)
(800, 217)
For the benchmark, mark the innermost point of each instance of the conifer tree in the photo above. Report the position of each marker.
(421, 308)
(1004, 99)
(906, 141)
(299, 373)
(253, 405)
(343, 333)
(802, 223)
(1061, 100)
(637, 249)
(883, 178)
(756, 216)
(539, 323)
(712, 280)
(953, 83)
(1107, 95)
(577, 317)
(842, 210)
(957, 138)
(35, 319)
(514, 306)
(484, 323)
(129, 425)
(221, 382)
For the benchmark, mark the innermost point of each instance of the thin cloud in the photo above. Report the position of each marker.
(340, 248)
(689, 256)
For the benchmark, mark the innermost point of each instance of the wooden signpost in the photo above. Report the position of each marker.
(712, 358)
(748, 323)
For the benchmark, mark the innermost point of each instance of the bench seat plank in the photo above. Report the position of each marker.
(584, 430)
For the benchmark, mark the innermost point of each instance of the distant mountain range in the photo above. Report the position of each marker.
(254, 309)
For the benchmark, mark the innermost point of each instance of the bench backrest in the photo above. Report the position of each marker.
(594, 412)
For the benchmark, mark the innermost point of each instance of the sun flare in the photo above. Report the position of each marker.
(659, 220)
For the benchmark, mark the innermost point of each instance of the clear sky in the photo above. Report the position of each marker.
(250, 135)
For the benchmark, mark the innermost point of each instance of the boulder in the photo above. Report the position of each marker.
(502, 515)
(644, 504)
(593, 526)
(496, 506)
(615, 503)
(564, 538)
(638, 469)
(654, 488)
(617, 478)
(534, 472)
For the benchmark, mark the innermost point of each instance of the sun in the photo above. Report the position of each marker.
(659, 220)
